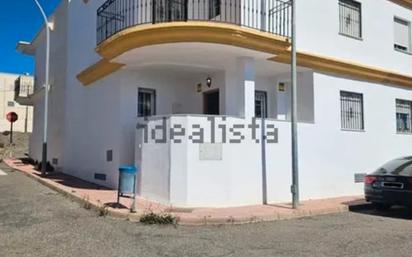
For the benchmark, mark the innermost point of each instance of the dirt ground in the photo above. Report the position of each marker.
(18, 149)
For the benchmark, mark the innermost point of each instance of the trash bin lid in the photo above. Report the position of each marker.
(128, 169)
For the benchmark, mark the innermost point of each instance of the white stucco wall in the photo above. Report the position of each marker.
(318, 32)
(336, 155)
(92, 113)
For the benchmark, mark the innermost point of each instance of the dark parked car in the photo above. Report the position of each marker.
(391, 184)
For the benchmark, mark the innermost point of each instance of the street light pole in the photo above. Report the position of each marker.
(46, 92)
(295, 164)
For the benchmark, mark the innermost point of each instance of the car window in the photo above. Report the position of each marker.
(402, 166)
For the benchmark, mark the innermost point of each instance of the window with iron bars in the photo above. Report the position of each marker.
(351, 105)
(350, 18)
(403, 116)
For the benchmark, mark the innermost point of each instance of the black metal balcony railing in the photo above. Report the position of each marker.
(273, 16)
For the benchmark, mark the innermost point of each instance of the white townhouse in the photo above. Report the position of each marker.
(179, 88)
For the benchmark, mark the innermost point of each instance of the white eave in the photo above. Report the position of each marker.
(26, 48)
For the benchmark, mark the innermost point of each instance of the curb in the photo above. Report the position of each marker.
(254, 219)
(361, 207)
(75, 198)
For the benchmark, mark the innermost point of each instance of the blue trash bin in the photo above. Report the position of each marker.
(127, 179)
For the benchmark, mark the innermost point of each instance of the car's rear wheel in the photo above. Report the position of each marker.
(382, 206)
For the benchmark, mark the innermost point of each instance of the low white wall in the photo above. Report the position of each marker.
(233, 177)
(222, 173)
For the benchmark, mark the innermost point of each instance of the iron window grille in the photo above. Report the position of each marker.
(403, 116)
(352, 117)
(260, 104)
(146, 102)
(350, 18)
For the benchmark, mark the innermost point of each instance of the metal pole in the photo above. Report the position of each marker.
(26, 119)
(118, 191)
(295, 164)
(11, 133)
(26, 116)
(46, 92)
(133, 207)
(264, 171)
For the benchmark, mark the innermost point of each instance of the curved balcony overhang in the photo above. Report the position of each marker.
(184, 32)
(321, 63)
(139, 36)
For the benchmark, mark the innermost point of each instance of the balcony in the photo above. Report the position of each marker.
(128, 30)
(23, 90)
(270, 16)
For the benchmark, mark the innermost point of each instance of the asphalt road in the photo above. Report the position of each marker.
(36, 221)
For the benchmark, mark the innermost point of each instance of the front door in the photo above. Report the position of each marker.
(260, 104)
(169, 10)
(211, 102)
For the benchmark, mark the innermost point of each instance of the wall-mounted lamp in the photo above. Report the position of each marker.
(209, 81)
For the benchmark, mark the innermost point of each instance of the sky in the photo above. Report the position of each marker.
(20, 20)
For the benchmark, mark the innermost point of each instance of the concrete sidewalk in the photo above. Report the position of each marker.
(99, 198)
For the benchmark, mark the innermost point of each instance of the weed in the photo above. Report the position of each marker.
(152, 218)
(86, 203)
(103, 210)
